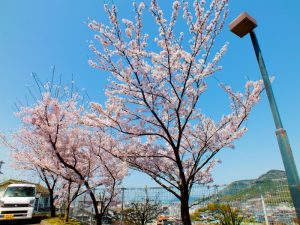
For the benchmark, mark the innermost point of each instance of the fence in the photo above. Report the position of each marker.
(261, 202)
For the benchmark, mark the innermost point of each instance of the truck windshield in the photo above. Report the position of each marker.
(20, 192)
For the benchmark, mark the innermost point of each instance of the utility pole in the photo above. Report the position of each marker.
(122, 209)
(1, 162)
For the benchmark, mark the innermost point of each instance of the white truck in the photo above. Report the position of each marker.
(17, 202)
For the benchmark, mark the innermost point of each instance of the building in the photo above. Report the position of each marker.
(167, 220)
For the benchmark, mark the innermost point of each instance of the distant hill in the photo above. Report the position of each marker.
(271, 185)
(265, 178)
(272, 174)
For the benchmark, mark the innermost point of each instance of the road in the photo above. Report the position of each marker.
(34, 221)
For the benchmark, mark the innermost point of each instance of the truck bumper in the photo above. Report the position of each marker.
(16, 213)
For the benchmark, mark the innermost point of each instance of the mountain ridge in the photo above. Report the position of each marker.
(269, 183)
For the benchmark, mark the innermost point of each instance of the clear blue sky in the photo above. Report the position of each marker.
(34, 35)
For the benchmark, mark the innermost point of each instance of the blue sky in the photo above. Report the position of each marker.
(34, 35)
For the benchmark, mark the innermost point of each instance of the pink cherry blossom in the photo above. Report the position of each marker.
(53, 138)
(153, 100)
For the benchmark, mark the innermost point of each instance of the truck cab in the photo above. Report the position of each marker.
(17, 202)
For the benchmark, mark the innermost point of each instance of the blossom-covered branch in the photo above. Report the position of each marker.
(153, 97)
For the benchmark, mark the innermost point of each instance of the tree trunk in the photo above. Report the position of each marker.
(185, 214)
(100, 219)
(97, 215)
(67, 209)
(52, 206)
(67, 212)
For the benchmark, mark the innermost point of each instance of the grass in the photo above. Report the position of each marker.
(58, 221)
(42, 215)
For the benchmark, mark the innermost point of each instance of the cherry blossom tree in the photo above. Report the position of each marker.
(50, 179)
(25, 152)
(153, 105)
(51, 129)
(68, 192)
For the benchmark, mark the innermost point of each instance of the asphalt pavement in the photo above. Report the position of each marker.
(34, 221)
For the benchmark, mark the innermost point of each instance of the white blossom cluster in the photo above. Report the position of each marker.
(152, 105)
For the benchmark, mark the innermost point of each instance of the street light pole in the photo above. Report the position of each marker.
(241, 26)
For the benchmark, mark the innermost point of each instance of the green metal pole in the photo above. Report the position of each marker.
(282, 138)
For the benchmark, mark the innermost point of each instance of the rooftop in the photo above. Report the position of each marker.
(39, 188)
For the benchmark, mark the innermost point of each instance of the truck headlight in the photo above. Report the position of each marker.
(31, 203)
(1, 203)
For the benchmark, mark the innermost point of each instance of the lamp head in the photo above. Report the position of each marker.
(242, 25)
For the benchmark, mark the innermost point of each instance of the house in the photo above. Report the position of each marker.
(167, 220)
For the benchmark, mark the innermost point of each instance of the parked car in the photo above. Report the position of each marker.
(18, 202)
